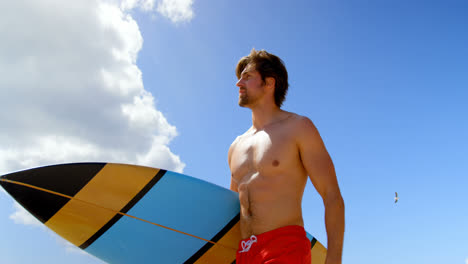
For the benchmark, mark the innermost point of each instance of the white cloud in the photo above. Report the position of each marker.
(176, 10)
(21, 216)
(71, 91)
(145, 5)
(466, 261)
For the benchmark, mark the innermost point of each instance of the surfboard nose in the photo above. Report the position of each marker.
(65, 179)
(81, 201)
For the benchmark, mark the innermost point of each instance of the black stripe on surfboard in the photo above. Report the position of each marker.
(312, 243)
(215, 239)
(129, 206)
(66, 179)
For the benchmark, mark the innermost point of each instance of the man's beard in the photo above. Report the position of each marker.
(243, 100)
(246, 99)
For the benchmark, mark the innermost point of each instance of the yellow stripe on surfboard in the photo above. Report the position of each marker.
(110, 188)
(222, 254)
(318, 253)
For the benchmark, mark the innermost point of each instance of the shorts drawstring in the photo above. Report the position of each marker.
(246, 245)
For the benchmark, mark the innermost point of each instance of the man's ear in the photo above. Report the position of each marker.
(270, 82)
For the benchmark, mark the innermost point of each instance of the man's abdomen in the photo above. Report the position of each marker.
(264, 209)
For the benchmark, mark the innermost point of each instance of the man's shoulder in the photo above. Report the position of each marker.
(247, 133)
(300, 122)
(235, 141)
(240, 137)
(303, 128)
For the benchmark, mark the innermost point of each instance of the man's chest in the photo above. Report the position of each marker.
(263, 152)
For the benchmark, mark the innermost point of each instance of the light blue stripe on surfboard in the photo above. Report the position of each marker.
(177, 201)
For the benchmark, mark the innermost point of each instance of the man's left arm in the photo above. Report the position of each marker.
(319, 167)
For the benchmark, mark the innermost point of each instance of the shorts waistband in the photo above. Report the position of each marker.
(288, 232)
(294, 230)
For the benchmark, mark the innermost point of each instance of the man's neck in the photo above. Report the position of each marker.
(263, 116)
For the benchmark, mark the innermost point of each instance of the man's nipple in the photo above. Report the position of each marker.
(275, 163)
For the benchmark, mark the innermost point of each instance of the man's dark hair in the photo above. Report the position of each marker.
(268, 65)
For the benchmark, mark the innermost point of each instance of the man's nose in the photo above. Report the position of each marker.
(240, 83)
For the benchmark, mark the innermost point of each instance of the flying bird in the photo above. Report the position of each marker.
(396, 197)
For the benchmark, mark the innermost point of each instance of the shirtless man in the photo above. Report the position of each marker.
(270, 164)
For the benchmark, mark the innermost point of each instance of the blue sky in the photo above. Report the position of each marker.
(385, 82)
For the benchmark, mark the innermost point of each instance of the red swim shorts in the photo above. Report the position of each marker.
(287, 244)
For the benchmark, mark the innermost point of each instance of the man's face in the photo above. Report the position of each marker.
(251, 86)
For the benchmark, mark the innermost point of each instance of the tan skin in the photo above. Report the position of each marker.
(270, 164)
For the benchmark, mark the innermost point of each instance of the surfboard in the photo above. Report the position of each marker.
(124, 213)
